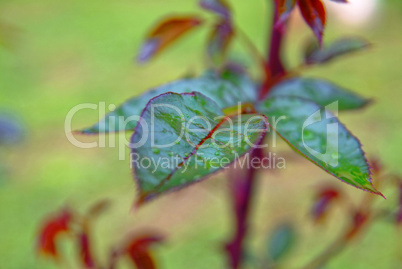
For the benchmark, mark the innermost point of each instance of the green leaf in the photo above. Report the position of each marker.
(315, 55)
(192, 139)
(317, 135)
(223, 92)
(242, 81)
(280, 241)
(319, 91)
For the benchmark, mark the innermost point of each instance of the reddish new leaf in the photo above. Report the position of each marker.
(85, 250)
(164, 34)
(139, 252)
(219, 41)
(142, 259)
(51, 230)
(219, 7)
(313, 12)
(324, 200)
(284, 7)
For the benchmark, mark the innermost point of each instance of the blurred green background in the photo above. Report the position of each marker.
(58, 54)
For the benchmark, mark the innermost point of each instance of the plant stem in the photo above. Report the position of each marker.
(274, 67)
(242, 197)
(274, 50)
(243, 186)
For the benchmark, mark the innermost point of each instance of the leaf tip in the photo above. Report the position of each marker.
(382, 195)
(373, 190)
(141, 200)
(77, 132)
(147, 51)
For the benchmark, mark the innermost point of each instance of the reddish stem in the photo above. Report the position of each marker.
(243, 186)
(274, 57)
(242, 194)
(274, 68)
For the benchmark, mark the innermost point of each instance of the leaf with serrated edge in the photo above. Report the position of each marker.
(345, 160)
(223, 92)
(315, 55)
(319, 91)
(205, 143)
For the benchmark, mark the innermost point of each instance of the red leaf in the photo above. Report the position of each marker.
(51, 230)
(323, 202)
(285, 7)
(144, 242)
(85, 250)
(164, 34)
(219, 7)
(313, 12)
(142, 259)
(219, 41)
(137, 249)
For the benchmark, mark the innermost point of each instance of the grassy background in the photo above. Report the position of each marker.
(63, 53)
